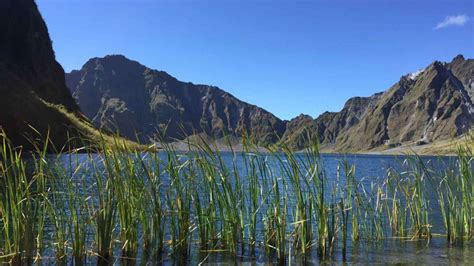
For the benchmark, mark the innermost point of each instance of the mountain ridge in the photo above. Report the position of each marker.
(115, 93)
(439, 91)
(181, 109)
(389, 123)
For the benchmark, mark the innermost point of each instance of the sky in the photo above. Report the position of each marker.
(289, 57)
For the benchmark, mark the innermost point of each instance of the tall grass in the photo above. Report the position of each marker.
(152, 214)
(104, 208)
(456, 198)
(115, 198)
(22, 202)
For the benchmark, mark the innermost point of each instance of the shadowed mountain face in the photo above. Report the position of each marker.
(32, 85)
(123, 95)
(427, 106)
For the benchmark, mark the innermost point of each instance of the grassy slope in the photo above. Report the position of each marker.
(90, 134)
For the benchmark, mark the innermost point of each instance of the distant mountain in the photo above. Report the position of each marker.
(329, 125)
(433, 104)
(125, 96)
(430, 105)
(32, 85)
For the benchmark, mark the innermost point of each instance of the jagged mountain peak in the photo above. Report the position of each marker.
(458, 58)
(435, 66)
(119, 62)
(463, 69)
(430, 104)
(116, 92)
(117, 58)
(302, 117)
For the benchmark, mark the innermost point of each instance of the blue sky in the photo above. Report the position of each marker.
(289, 57)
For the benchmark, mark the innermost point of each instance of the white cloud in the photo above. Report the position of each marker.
(459, 20)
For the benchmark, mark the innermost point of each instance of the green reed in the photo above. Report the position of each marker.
(346, 203)
(254, 199)
(129, 185)
(205, 204)
(152, 205)
(414, 185)
(58, 218)
(22, 202)
(277, 219)
(319, 198)
(13, 171)
(79, 220)
(302, 222)
(105, 210)
(395, 207)
(456, 197)
(179, 204)
(255, 175)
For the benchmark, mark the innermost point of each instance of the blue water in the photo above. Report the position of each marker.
(369, 169)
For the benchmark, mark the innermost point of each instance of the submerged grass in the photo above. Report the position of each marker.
(115, 201)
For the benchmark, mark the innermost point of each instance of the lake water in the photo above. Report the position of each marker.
(369, 169)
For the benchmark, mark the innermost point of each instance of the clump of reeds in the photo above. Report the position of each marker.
(104, 208)
(456, 197)
(151, 209)
(346, 199)
(22, 202)
(169, 202)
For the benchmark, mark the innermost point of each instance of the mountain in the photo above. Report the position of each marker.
(464, 70)
(32, 84)
(328, 126)
(433, 104)
(122, 95)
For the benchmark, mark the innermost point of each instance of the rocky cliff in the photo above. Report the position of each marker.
(463, 69)
(32, 84)
(430, 105)
(125, 96)
(433, 104)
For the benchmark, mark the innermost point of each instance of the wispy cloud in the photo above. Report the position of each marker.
(459, 20)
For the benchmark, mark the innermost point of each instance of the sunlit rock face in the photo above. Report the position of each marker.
(428, 105)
